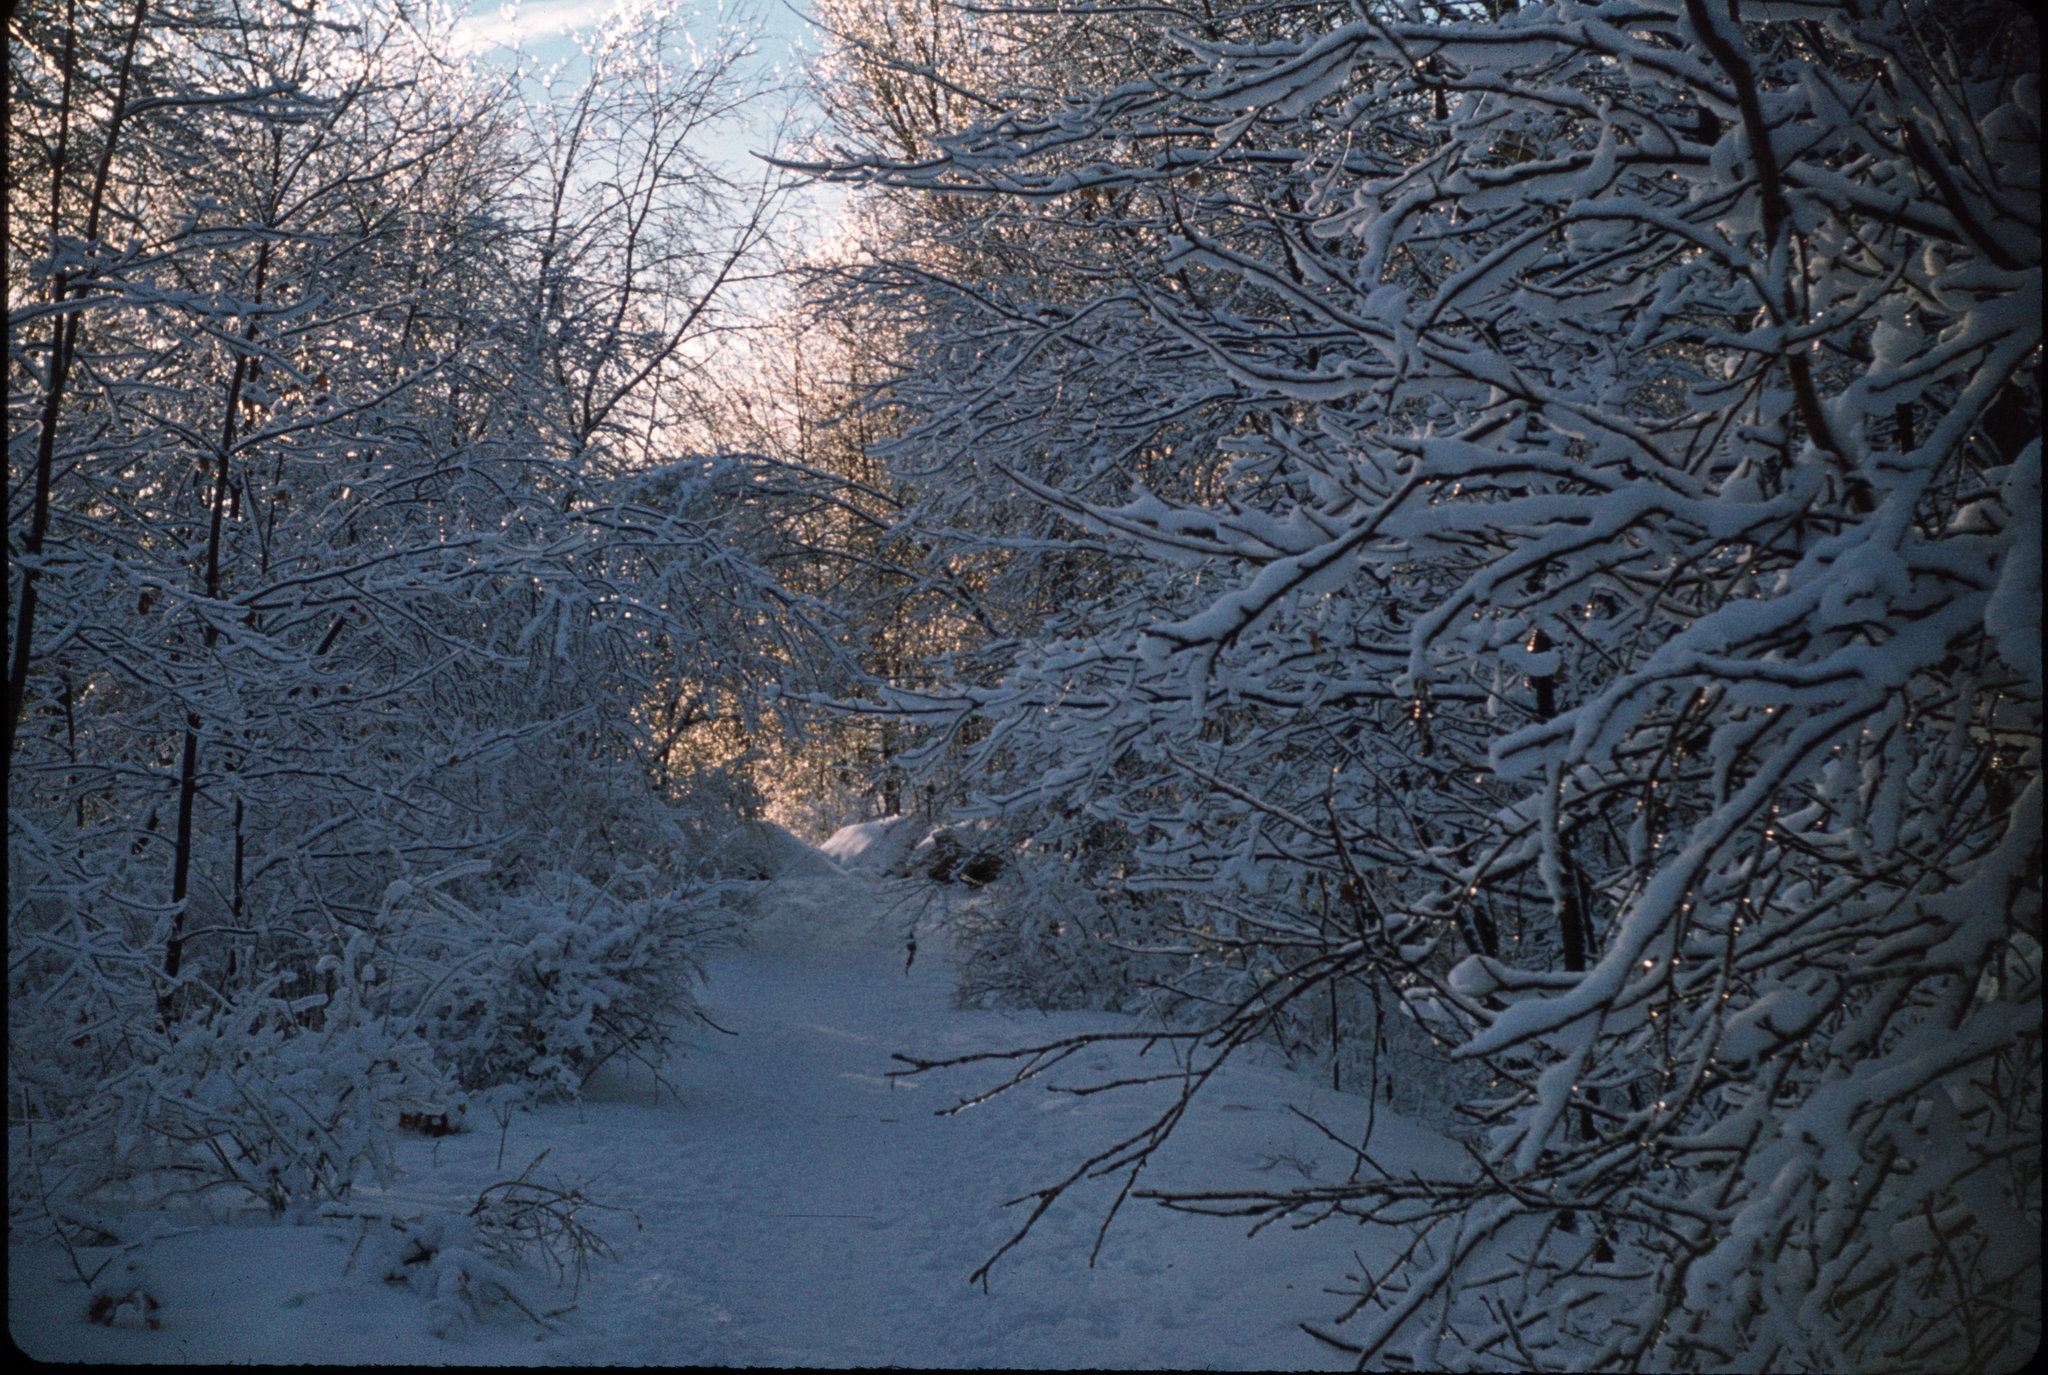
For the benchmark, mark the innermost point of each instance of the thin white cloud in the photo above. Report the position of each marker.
(483, 32)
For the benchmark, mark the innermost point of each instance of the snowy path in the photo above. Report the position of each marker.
(798, 1209)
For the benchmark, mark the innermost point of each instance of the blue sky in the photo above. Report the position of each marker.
(544, 22)
(548, 30)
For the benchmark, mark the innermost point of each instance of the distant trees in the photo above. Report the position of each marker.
(348, 555)
(1533, 508)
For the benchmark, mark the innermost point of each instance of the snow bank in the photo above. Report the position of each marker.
(762, 849)
(880, 848)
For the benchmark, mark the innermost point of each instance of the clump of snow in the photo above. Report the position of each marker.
(2013, 615)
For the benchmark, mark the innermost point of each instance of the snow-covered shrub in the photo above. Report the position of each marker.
(559, 806)
(441, 1256)
(526, 1220)
(289, 1101)
(281, 1059)
(579, 933)
(1043, 935)
(542, 986)
(466, 1264)
(1065, 929)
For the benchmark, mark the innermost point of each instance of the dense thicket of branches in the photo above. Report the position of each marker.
(1511, 525)
(358, 601)
(1533, 509)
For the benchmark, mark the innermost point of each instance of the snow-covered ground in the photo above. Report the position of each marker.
(797, 1207)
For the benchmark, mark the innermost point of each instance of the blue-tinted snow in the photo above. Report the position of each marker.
(797, 1208)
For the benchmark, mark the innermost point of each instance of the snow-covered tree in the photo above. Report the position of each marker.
(1563, 481)
(347, 555)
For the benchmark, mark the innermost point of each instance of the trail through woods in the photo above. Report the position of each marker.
(797, 1208)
